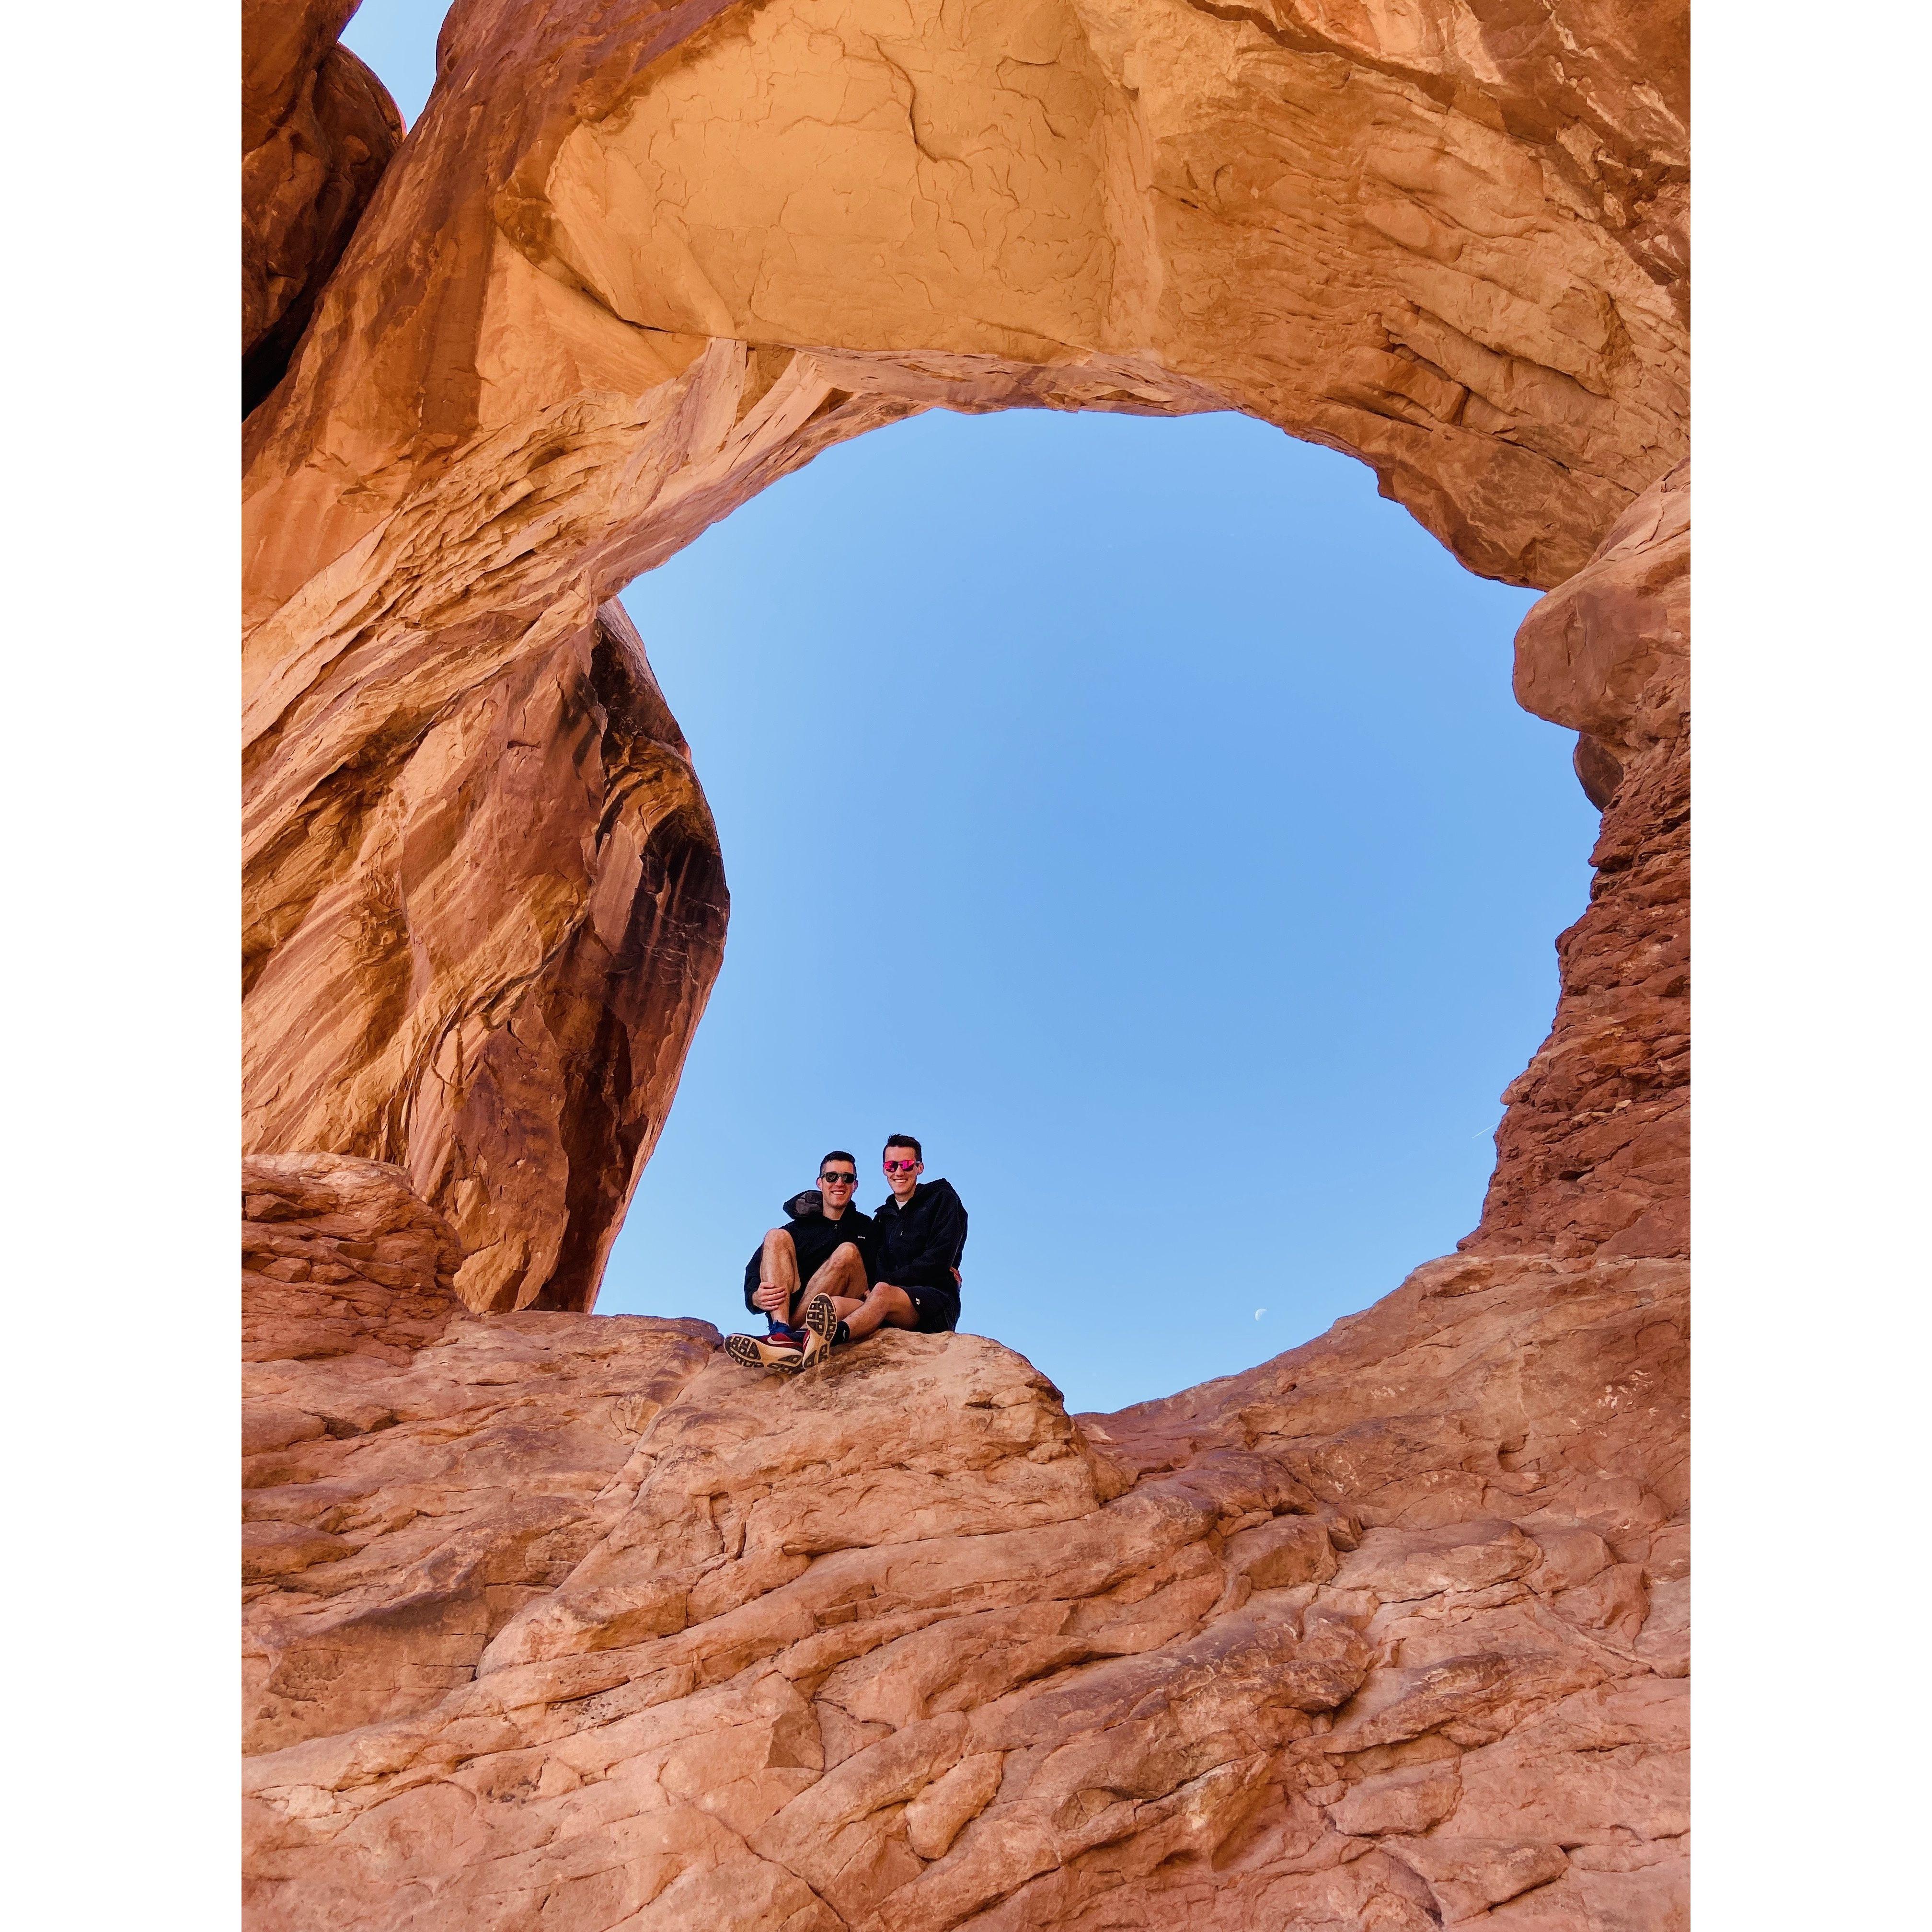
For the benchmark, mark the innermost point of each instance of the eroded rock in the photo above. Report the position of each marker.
(636, 264)
(565, 1621)
(479, 954)
(318, 129)
(601, 1621)
(405, 1494)
(1593, 1153)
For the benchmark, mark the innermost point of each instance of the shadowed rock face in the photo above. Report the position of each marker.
(561, 1622)
(317, 129)
(493, 940)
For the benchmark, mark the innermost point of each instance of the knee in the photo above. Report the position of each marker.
(777, 1234)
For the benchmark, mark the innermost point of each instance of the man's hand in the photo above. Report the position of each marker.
(771, 1296)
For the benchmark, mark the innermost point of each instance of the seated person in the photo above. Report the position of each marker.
(912, 1262)
(820, 1249)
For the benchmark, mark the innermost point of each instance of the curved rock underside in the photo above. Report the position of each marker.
(561, 1621)
(636, 262)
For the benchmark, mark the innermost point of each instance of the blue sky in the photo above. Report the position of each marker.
(1137, 811)
(398, 38)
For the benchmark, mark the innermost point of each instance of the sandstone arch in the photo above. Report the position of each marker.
(637, 261)
(563, 1621)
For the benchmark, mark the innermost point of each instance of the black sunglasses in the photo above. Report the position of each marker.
(850, 1179)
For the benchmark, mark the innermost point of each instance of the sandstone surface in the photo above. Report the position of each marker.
(318, 129)
(637, 261)
(568, 1621)
(499, 933)
(557, 1621)
(1593, 1156)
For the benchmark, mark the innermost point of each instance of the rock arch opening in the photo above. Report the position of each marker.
(1191, 772)
(580, 319)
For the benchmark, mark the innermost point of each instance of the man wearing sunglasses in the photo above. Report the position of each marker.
(919, 1234)
(820, 1252)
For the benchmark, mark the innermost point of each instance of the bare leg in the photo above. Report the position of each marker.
(841, 1275)
(885, 1306)
(778, 1276)
(840, 1281)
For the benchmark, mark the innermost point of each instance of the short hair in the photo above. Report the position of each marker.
(838, 1153)
(905, 1140)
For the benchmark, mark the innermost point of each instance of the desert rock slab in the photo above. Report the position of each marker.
(598, 1627)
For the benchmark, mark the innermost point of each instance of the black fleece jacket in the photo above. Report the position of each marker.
(813, 1239)
(919, 1245)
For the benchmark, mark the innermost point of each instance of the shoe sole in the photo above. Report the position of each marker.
(820, 1321)
(754, 1354)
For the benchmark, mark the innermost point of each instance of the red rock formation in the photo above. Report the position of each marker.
(565, 1621)
(1451, 246)
(491, 939)
(568, 1621)
(1593, 1154)
(318, 129)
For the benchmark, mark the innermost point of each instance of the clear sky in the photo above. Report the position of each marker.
(1137, 812)
(398, 38)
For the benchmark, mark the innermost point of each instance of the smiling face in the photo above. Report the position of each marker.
(903, 1169)
(836, 1180)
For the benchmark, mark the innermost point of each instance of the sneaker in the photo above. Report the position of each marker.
(764, 1352)
(821, 1324)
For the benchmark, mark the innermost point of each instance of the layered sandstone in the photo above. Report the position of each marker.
(638, 261)
(1593, 1155)
(565, 1621)
(318, 129)
(492, 939)
(569, 1621)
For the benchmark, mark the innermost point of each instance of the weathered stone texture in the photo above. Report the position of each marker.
(339, 1257)
(1593, 1154)
(561, 1622)
(404, 1497)
(570, 1621)
(639, 261)
(318, 129)
(480, 951)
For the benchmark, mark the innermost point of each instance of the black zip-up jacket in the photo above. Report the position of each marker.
(813, 1239)
(919, 1245)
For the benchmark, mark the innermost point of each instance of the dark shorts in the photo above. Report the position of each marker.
(938, 1310)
